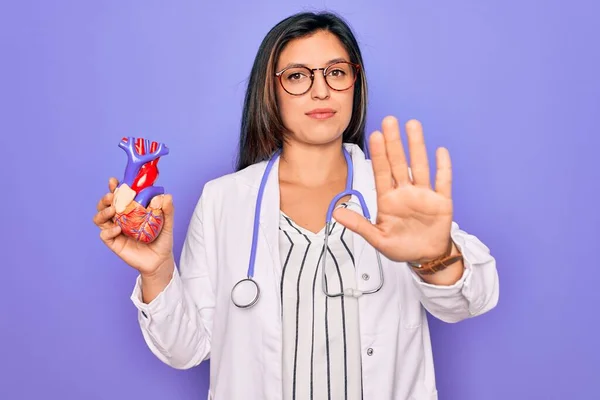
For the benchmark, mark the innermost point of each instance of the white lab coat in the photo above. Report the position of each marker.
(193, 319)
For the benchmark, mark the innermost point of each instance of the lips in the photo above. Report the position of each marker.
(321, 113)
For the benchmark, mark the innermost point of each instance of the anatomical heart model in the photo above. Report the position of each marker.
(138, 210)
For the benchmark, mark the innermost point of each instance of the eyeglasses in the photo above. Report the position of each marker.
(297, 80)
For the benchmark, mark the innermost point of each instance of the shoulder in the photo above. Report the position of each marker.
(225, 192)
(234, 183)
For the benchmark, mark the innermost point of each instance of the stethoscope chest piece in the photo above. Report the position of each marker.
(245, 293)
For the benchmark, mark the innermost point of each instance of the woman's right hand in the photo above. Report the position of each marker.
(147, 258)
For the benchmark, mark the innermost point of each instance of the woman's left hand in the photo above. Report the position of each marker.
(413, 219)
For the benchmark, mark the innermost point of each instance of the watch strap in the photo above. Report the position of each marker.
(437, 264)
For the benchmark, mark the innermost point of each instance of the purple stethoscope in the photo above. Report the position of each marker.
(246, 292)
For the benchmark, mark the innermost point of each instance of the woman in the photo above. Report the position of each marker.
(305, 112)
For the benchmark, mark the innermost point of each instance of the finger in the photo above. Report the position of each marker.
(381, 165)
(105, 201)
(395, 150)
(168, 212)
(112, 184)
(104, 218)
(358, 224)
(443, 177)
(109, 235)
(419, 163)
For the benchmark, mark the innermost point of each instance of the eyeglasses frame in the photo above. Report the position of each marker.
(312, 76)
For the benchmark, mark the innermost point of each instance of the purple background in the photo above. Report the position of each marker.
(511, 87)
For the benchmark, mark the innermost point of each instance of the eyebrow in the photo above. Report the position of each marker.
(339, 59)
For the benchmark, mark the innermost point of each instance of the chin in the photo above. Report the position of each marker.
(321, 132)
(321, 139)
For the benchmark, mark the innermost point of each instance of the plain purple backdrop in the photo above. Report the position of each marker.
(510, 87)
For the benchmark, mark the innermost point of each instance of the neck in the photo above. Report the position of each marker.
(312, 165)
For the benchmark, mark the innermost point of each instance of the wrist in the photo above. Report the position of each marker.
(155, 282)
(162, 273)
(422, 261)
(451, 256)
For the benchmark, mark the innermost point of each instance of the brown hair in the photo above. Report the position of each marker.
(262, 130)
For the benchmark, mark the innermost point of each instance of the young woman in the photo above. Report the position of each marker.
(283, 283)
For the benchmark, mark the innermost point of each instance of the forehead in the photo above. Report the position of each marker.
(313, 51)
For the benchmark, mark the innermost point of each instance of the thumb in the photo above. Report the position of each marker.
(164, 202)
(358, 224)
(168, 212)
(112, 184)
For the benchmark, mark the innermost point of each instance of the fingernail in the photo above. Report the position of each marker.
(157, 202)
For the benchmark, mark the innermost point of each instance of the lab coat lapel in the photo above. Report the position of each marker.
(268, 273)
(269, 225)
(365, 258)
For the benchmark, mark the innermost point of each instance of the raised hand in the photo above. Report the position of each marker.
(146, 258)
(413, 219)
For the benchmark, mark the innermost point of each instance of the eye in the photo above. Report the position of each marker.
(295, 76)
(337, 72)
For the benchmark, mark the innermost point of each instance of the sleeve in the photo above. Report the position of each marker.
(475, 293)
(177, 324)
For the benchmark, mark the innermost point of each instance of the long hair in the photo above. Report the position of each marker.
(262, 130)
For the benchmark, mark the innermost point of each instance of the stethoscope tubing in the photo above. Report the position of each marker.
(349, 191)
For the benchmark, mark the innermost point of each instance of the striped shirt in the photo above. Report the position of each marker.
(321, 343)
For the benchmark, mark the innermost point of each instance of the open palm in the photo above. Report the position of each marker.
(413, 219)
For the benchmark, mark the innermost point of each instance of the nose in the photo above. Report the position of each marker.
(320, 89)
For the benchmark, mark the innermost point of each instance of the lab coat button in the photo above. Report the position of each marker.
(369, 351)
(144, 314)
(365, 277)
